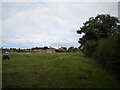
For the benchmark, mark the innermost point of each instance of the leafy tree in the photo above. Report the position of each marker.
(70, 49)
(45, 47)
(102, 26)
(64, 48)
(75, 49)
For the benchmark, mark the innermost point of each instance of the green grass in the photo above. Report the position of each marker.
(55, 70)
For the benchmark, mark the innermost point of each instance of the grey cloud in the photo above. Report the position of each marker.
(53, 24)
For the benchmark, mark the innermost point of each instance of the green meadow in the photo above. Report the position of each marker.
(55, 70)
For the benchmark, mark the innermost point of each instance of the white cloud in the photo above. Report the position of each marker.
(59, 0)
(52, 24)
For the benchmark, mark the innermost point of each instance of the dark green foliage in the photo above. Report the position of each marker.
(102, 26)
(107, 53)
(64, 48)
(72, 49)
(89, 47)
(46, 47)
(42, 48)
(102, 41)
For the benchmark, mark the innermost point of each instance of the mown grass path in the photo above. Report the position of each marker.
(55, 70)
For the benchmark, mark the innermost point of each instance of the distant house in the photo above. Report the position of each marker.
(50, 50)
(62, 49)
(47, 51)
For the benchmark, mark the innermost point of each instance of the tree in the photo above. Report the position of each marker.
(70, 49)
(45, 47)
(64, 48)
(102, 26)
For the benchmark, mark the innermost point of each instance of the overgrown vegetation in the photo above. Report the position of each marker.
(107, 53)
(102, 41)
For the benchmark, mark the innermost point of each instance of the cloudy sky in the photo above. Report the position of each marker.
(35, 24)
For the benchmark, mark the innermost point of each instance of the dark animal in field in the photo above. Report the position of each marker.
(5, 57)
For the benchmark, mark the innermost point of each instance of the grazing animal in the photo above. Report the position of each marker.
(5, 57)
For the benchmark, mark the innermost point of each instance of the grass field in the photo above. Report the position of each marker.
(55, 70)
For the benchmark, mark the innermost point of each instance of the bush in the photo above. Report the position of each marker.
(89, 48)
(107, 53)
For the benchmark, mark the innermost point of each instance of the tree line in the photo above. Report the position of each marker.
(20, 50)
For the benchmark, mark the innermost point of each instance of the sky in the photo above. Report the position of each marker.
(38, 24)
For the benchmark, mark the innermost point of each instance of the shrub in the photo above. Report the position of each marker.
(89, 48)
(107, 53)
